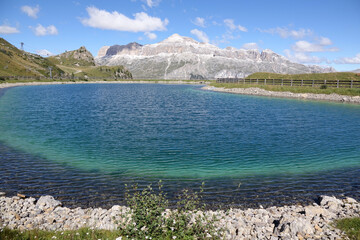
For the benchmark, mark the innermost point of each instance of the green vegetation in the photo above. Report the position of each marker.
(308, 76)
(297, 89)
(149, 218)
(106, 72)
(351, 226)
(15, 62)
(80, 234)
(79, 57)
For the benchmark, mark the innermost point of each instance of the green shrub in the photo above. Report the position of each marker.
(323, 86)
(149, 217)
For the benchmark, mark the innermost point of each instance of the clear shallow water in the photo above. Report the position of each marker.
(97, 137)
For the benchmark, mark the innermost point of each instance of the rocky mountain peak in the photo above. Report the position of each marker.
(176, 38)
(179, 57)
(117, 49)
(79, 57)
(102, 51)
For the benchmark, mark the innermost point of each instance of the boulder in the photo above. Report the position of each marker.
(47, 202)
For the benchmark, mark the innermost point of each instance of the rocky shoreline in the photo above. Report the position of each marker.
(286, 222)
(305, 96)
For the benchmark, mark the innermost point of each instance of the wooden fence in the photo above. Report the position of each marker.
(293, 82)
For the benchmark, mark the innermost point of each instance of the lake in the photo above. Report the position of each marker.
(83, 142)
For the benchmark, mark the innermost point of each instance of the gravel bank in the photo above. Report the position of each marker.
(287, 222)
(306, 96)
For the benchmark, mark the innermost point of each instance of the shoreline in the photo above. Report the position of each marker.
(254, 91)
(8, 85)
(286, 222)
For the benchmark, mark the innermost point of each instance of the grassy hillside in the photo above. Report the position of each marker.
(309, 76)
(107, 72)
(14, 62)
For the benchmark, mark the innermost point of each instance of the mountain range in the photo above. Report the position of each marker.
(179, 57)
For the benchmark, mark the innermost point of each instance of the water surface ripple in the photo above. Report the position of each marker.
(83, 142)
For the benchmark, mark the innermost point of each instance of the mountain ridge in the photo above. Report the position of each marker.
(179, 57)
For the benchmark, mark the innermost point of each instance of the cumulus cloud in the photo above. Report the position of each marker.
(5, 29)
(284, 32)
(303, 57)
(119, 22)
(44, 52)
(31, 11)
(200, 35)
(251, 45)
(347, 60)
(319, 46)
(199, 22)
(231, 25)
(150, 35)
(40, 30)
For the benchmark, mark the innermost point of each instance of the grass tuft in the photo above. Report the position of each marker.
(80, 234)
(351, 226)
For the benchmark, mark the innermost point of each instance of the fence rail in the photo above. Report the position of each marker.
(293, 82)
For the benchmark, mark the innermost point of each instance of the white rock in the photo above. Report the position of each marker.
(46, 202)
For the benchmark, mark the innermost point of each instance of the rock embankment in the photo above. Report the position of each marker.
(287, 222)
(306, 96)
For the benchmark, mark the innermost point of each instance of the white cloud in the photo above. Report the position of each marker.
(152, 3)
(44, 52)
(347, 60)
(325, 41)
(231, 25)
(302, 57)
(40, 30)
(200, 35)
(150, 35)
(5, 29)
(251, 45)
(117, 21)
(319, 46)
(284, 32)
(199, 22)
(31, 11)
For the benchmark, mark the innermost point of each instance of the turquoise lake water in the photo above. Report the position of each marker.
(178, 133)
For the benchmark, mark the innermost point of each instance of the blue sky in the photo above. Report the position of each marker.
(321, 32)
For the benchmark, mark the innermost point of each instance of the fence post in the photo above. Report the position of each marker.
(291, 83)
(302, 82)
(265, 81)
(257, 81)
(273, 81)
(337, 84)
(325, 82)
(351, 84)
(282, 82)
(313, 83)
